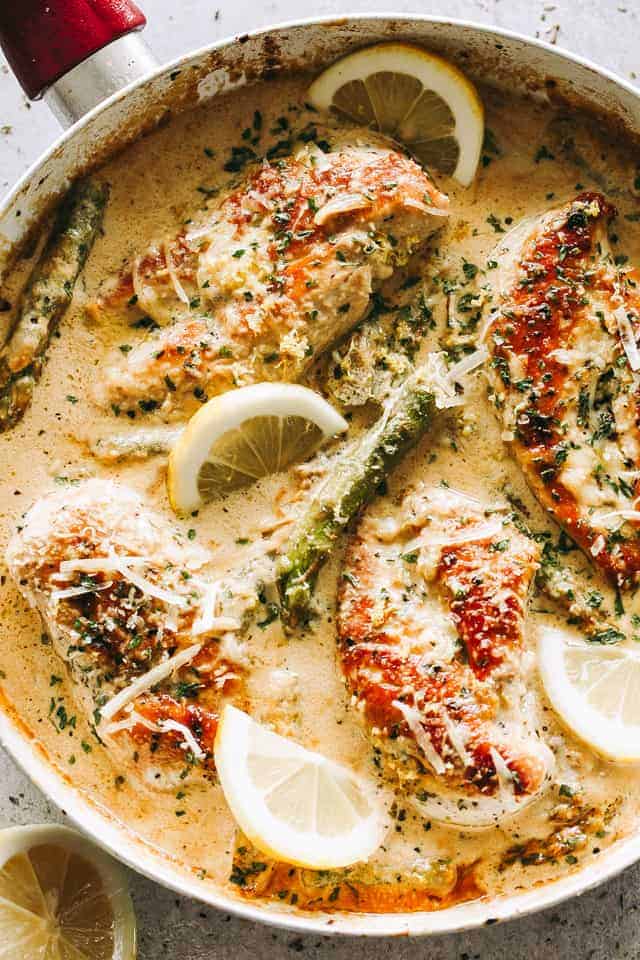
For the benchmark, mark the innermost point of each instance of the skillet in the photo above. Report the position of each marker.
(102, 83)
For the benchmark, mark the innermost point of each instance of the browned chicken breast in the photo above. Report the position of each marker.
(430, 626)
(269, 276)
(564, 371)
(147, 645)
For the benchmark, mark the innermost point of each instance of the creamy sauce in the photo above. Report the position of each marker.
(155, 187)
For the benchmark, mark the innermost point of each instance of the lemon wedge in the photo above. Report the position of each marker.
(414, 96)
(292, 804)
(595, 690)
(61, 898)
(246, 434)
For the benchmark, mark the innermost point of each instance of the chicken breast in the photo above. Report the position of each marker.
(149, 651)
(563, 369)
(430, 627)
(270, 275)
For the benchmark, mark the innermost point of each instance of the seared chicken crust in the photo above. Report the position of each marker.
(270, 276)
(120, 594)
(430, 626)
(562, 342)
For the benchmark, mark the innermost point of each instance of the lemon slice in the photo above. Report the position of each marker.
(414, 96)
(595, 690)
(61, 898)
(246, 434)
(292, 804)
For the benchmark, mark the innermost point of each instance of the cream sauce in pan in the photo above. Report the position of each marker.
(155, 185)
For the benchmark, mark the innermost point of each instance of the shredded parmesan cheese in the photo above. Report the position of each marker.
(468, 363)
(99, 564)
(138, 288)
(137, 720)
(122, 565)
(151, 589)
(207, 609)
(627, 338)
(150, 679)
(340, 204)
(455, 736)
(492, 317)
(474, 532)
(614, 514)
(422, 207)
(171, 270)
(414, 722)
(219, 625)
(437, 378)
(479, 531)
(504, 775)
(68, 592)
(208, 621)
(131, 720)
(198, 233)
(189, 740)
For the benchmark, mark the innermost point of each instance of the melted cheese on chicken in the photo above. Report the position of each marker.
(124, 600)
(562, 341)
(431, 632)
(267, 278)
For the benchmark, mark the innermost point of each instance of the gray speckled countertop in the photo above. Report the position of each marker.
(601, 925)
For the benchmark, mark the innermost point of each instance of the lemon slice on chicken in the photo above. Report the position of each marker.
(61, 898)
(413, 96)
(292, 804)
(595, 690)
(246, 434)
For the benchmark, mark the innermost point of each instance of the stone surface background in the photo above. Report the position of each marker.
(601, 925)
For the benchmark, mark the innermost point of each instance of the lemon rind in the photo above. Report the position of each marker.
(227, 412)
(292, 846)
(613, 741)
(434, 72)
(20, 839)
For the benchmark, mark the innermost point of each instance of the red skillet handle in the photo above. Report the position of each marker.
(44, 39)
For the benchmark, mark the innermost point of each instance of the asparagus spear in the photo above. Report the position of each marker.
(139, 444)
(353, 480)
(47, 295)
(358, 887)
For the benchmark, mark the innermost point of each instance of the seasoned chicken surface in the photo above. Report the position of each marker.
(430, 627)
(269, 276)
(563, 367)
(127, 608)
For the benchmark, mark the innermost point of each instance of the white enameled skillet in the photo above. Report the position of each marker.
(105, 87)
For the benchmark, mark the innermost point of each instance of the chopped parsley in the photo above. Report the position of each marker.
(470, 270)
(606, 636)
(543, 153)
